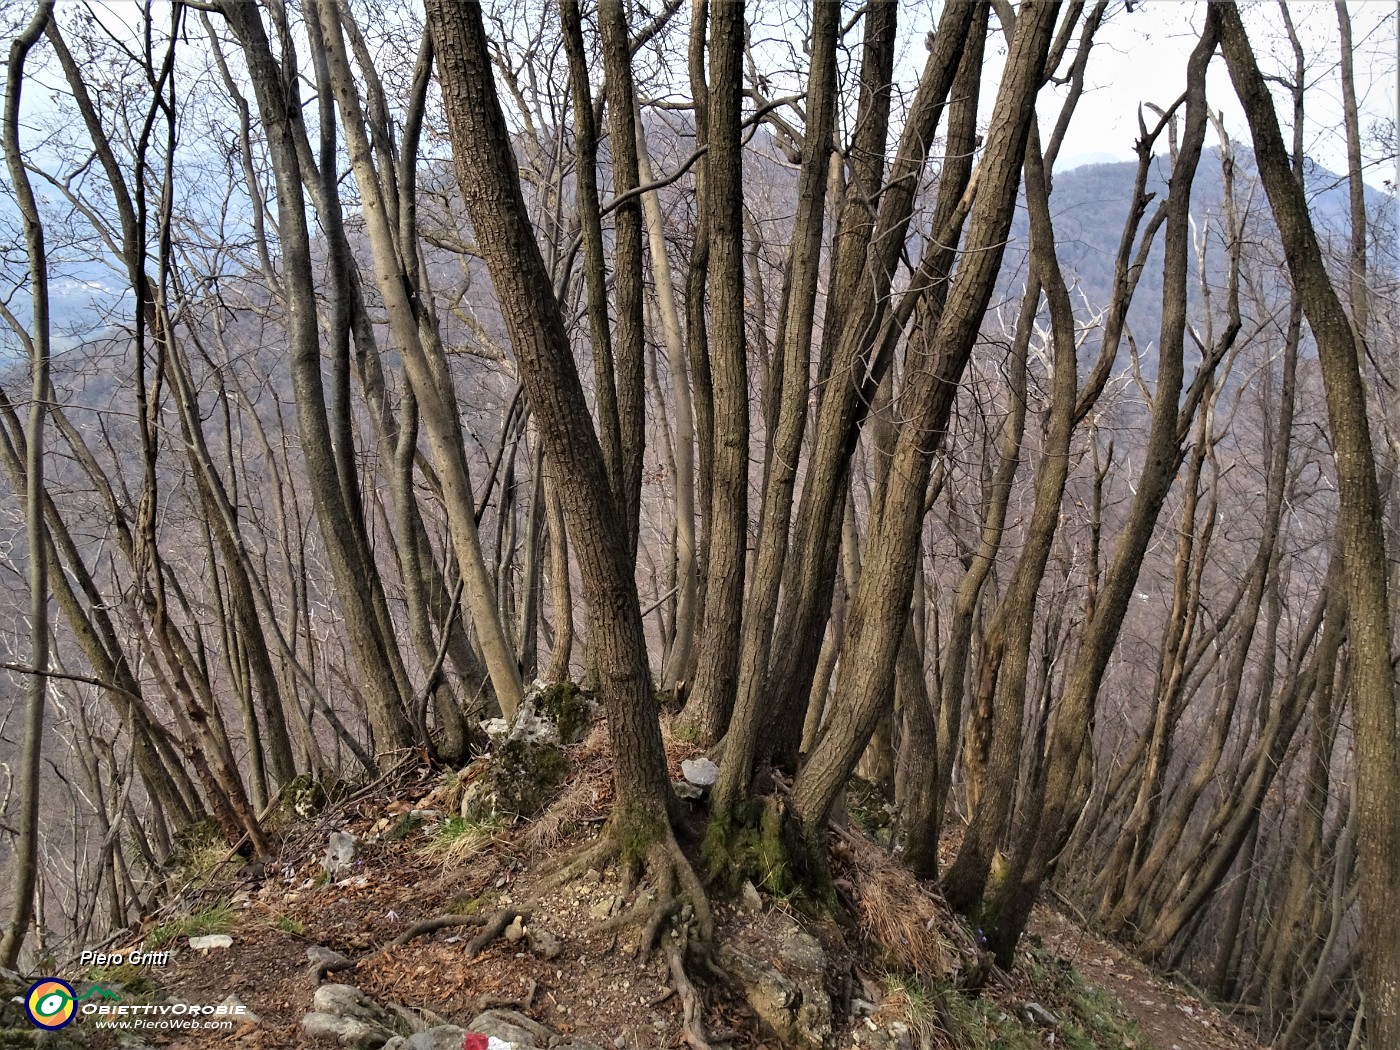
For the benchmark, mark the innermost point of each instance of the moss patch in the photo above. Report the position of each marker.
(521, 778)
(1089, 1018)
(761, 844)
(406, 826)
(566, 705)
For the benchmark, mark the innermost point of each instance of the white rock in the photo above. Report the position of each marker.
(211, 940)
(340, 854)
(700, 771)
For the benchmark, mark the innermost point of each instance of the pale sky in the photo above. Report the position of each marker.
(1141, 57)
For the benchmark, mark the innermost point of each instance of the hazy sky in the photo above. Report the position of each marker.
(1141, 57)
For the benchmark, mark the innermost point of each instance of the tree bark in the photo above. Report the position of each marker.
(26, 859)
(490, 186)
(1362, 541)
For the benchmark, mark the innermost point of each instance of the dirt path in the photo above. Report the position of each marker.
(1171, 1018)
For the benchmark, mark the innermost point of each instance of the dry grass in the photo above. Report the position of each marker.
(900, 915)
(587, 796)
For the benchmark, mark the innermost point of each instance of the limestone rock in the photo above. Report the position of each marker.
(543, 943)
(605, 907)
(686, 790)
(801, 951)
(340, 854)
(896, 1037)
(344, 1015)
(1039, 1016)
(525, 771)
(748, 893)
(231, 1003)
(795, 1006)
(700, 771)
(211, 940)
(511, 1026)
(344, 1031)
(443, 1037)
(564, 706)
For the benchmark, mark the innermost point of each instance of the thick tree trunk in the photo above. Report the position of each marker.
(880, 607)
(794, 349)
(490, 186)
(717, 658)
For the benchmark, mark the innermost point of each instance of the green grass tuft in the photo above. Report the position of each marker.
(458, 839)
(217, 918)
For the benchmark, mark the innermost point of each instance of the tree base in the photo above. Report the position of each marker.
(763, 843)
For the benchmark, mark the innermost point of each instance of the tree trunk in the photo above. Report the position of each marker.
(26, 859)
(490, 186)
(1362, 541)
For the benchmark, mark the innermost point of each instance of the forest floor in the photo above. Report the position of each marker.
(896, 965)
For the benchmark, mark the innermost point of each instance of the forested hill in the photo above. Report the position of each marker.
(1090, 202)
(455, 361)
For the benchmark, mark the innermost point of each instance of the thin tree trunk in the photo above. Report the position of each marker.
(26, 857)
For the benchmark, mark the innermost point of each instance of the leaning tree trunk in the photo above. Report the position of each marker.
(1362, 541)
(486, 172)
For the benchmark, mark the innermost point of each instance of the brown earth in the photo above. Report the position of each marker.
(596, 988)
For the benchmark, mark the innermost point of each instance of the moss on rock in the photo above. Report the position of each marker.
(568, 707)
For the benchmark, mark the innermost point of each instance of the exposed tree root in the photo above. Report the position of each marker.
(691, 1007)
(659, 916)
(437, 922)
(662, 860)
(325, 967)
(593, 854)
(494, 927)
(489, 1002)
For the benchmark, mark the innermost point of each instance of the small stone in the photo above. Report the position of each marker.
(1038, 1015)
(515, 931)
(544, 944)
(591, 877)
(232, 1005)
(749, 895)
(340, 854)
(603, 908)
(211, 940)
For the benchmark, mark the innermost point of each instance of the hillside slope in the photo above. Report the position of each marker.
(441, 921)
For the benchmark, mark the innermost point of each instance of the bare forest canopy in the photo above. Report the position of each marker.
(366, 364)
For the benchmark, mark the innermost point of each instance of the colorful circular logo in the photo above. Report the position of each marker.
(50, 1003)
